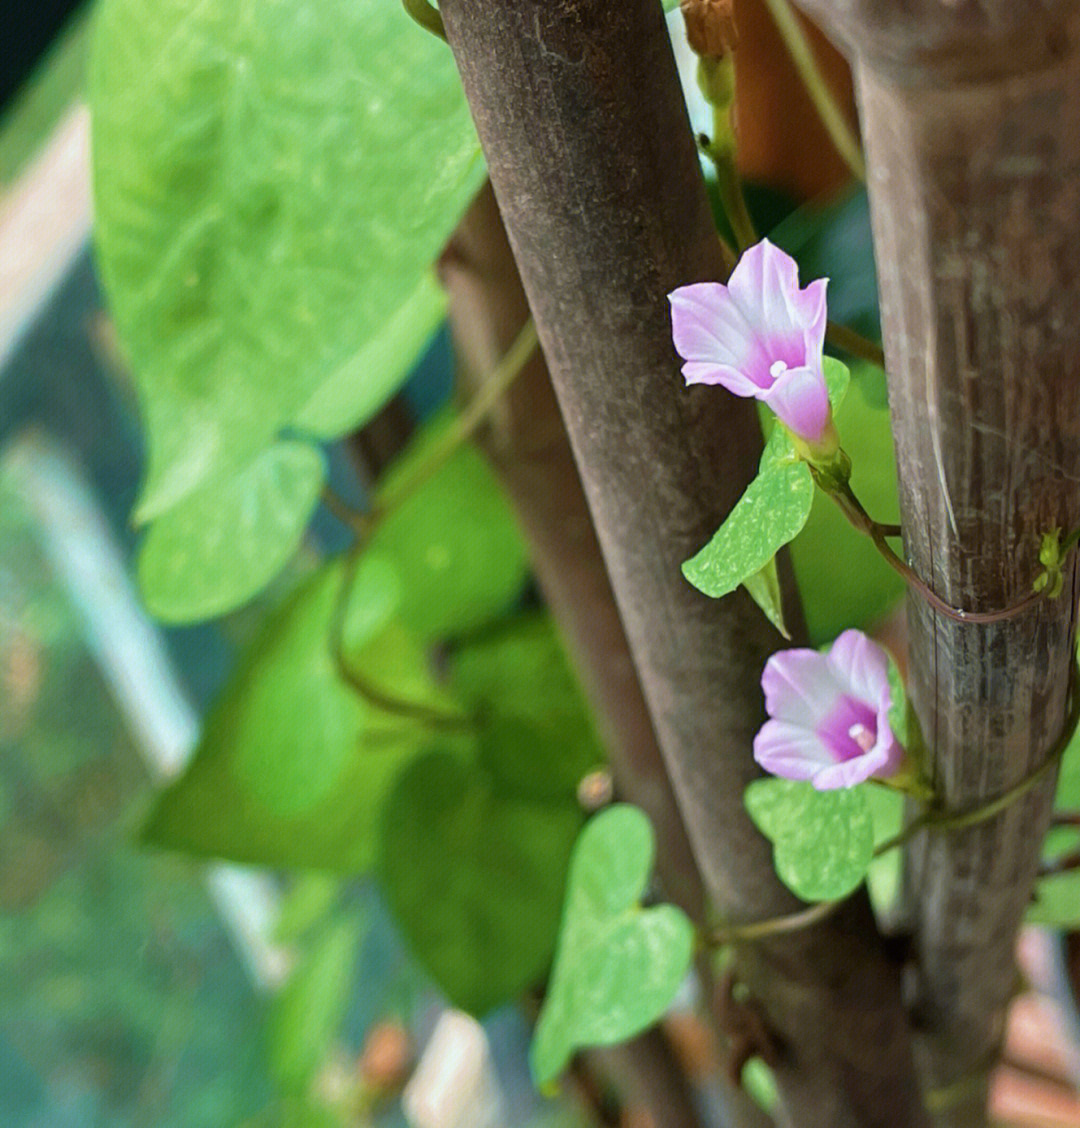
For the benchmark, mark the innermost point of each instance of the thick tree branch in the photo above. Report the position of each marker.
(972, 119)
(582, 122)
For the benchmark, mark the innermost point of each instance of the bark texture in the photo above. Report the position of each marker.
(971, 113)
(527, 444)
(582, 122)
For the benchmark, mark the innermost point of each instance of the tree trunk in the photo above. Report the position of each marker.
(582, 122)
(972, 118)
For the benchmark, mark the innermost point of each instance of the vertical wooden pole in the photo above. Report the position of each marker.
(971, 114)
(589, 151)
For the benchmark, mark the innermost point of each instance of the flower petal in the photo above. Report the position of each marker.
(863, 666)
(707, 325)
(800, 687)
(708, 372)
(790, 751)
(800, 400)
(847, 774)
(762, 285)
(812, 314)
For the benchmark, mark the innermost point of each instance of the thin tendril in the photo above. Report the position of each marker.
(832, 116)
(419, 711)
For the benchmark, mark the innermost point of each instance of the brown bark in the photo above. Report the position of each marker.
(971, 114)
(527, 444)
(588, 147)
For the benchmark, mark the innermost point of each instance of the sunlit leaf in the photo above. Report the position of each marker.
(619, 965)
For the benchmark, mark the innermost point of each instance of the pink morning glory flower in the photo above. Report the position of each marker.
(829, 715)
(759, 336)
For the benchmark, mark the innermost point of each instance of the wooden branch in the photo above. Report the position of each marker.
(972, 118)
(585, 133)
(527, 444)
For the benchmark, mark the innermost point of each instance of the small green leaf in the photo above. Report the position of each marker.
(885, 875)
(362, 386)
(767, 516)
(837, 379)
(294, 766)
(823, 841)
(764, 590)
(221, 546)
(618, 966)
(475, 876)
(454, 541)
(307, 1014)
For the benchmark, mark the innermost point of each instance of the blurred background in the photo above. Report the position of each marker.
(140, 988)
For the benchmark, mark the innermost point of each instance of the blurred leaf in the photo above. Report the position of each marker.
(294, 766)
(823, 841)
(270, 187)
(222, 545)
(474, 875)
(308, 1012)
(309, 899)
(1057, 902)
(842, 579)
(361, 387)
(537, 736)
(454, 541)
(474, 855)
(618, 966)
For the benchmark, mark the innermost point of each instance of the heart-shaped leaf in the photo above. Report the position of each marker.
(294, 766)
(823, 841)
(618, 965)
(475, 877)
(221, 546)
(770, 513)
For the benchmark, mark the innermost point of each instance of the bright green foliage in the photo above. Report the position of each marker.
(618, 966)
(271, 183)
(363, 385)
(308, 1012)
(222, 545)
(475, 853)
(885, 875)
(769, 514)
(294, 765)
(842, 579)
(474, 874)
(309, 899)
(453, 540)
(823, 841)
(538, 738)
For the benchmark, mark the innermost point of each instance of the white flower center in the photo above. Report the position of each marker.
(863, 737)
(777, 369)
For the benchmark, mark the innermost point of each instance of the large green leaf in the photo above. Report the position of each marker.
(222, 545)
(823, 841)
(294, 766)
(618, 966)
(474, 875)
(271, 182)
(1057, 897)
(307, 1014)
(453, 539)
(364, 383)
(537, 735)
